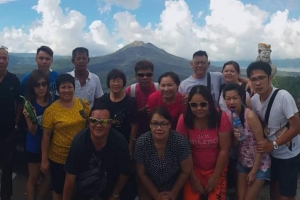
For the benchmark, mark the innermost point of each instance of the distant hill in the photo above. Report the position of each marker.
(125, 59)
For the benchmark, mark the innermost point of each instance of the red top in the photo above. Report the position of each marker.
(205, 143)
(175, 109)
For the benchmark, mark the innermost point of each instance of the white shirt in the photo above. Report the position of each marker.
(216, 81)
(283, 108)
(91, 90)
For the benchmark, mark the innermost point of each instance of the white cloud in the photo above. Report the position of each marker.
(231, 30)
(127, 4)
(6, 1)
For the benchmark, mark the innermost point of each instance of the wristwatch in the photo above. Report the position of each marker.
(275, 145)
(115, 196)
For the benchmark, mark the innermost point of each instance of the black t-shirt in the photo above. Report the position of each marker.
(123, 112)
(113, 158)
(10, 91)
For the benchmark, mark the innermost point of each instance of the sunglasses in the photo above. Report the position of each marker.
(43, 84)
(143, 75)
(202, 104)
(102, 122)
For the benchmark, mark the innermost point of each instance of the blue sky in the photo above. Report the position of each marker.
(216, 25)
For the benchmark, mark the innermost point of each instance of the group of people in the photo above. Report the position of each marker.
(163, 141)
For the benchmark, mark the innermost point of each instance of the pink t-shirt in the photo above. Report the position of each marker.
(204, 143)
(175, 109)
(141, 99)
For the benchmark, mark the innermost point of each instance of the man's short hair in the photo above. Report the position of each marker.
(259, 65)
(45, 49)
(80, 50)
(200, 53)
(143, 65)
(99, 105)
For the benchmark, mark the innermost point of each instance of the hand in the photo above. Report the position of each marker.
(249, 86)
(264, 146)
(211, 184)
(25, 112)
(45, 166)
(162, 196)
(148, 111)
(236, 133)
(251, 177)
(184, 99)
(172, 195)
(196, 185)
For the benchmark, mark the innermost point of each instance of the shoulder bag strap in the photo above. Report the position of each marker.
(270, 105)
(208, 81)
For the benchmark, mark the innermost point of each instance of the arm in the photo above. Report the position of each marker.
(132, 138)
(248, 86)
(45, 147)
(146, 181)
(69, 186)
(186, 167)
(257, 131)
(99, 91)
(292, 132)
(121, 182)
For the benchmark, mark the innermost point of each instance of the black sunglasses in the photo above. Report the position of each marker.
(144, 74)
(43, 84)
(202, 104)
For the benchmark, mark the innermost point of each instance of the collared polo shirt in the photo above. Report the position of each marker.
(91, 90)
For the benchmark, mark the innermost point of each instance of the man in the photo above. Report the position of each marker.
(201, 76)
(98, 164)
(278, 110)
(87, 84)
(44, 59)
(10, 111)
(141, 92)
(264, 54)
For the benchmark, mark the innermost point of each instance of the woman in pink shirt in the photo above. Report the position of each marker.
(253, 167)
(209, 132)
(168, 96)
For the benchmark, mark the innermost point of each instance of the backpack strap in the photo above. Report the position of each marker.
(221, 89)
(208, 81)
(267, 115)
(132, 90)
(156, 85)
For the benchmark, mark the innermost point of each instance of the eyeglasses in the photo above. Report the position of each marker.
(44, 58)
(162, 125)
(202, 104)
(102, 122)
(117, 80)
(141, 75)
(259, 78)
(43, 84)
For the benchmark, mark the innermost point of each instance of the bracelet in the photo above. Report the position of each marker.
(134, 139)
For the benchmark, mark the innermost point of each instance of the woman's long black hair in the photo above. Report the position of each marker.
(213, 117)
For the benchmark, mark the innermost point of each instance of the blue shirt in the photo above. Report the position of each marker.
(33, 142)
(52, 78)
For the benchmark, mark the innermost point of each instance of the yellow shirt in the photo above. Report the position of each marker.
(65, 123)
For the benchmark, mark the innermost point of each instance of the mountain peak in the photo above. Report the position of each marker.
(136, 43)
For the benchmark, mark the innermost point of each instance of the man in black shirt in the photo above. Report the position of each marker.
(10, 111)
(98, 164)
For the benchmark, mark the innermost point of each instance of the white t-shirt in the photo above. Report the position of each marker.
(216, 81)
(283, 108)
(91, 90)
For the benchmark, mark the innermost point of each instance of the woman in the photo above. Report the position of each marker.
(62, 120)
(168, 96)
(231, 73)
(209, 132)
(163, 159)
(123, 110)
(253, 168)
(38, 94)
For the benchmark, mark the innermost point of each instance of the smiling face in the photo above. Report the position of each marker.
(43, 61)
(41, 87)
(116, 85)
(66, 91)
(230, 74)
(200, 64)
(160, 127)
(233, 100)
(100, 129)
(199, 106)
(260, 81)
(168, 88)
